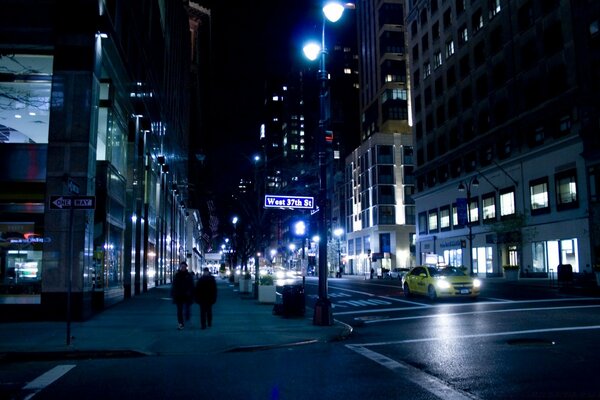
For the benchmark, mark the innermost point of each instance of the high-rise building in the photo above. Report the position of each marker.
(506, 120)
(95, 125)
(379, 209)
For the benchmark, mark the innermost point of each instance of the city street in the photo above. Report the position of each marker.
(526, 342)
(504, 345)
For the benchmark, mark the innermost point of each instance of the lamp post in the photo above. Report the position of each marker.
(234, 222)
(300, 230)
(462, 187)
(332, 11)
(258, 214)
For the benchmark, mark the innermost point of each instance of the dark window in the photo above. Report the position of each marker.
(525, 16)
(439, 86)
(557, 80)
(447, 18)
(452, 107)
(425, 42)
(453, 137)
(553, 39)
(417, 104)
(450, 76)
(496, 40)
(435, 31)
(479, 54)
(481, 87)
(528, 54)
(467, 129)
(427, 94)
(413, 28)
(415, 52)
(499, 75)
(467, 98)
(440, 115)
(424, 17)
(465, 67)
(460, 6)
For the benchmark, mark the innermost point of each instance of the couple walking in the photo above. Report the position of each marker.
(184, 293)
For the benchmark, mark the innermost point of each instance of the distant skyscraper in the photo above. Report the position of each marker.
(379, 210)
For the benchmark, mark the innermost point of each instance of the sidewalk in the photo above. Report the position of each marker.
(147, 324)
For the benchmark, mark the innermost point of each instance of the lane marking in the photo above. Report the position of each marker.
(470, 304)
(444, 315)
(46, 379)
(482, 335)
(427, 382)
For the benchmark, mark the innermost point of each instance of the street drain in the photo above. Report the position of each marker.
(531, 342)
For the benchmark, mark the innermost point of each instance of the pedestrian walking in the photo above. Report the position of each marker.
(206, 295)
(182, 292)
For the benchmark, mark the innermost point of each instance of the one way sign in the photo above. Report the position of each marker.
(75, 202)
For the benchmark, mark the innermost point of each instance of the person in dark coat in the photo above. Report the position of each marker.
(182, 292)
(206, 295)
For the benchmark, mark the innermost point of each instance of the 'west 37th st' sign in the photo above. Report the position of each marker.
(292, 202)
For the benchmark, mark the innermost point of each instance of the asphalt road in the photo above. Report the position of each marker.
(506, 345)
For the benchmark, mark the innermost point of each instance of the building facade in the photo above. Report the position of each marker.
(505, 113)
(94, 148)
(378, 182)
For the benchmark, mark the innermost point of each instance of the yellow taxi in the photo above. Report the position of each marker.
(440, 282)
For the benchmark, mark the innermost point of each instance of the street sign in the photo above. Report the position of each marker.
(461, 211)
(72, 186)
(75, 202)
(292, 202)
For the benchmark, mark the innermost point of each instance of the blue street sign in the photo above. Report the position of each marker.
(461, 211)
(291, 202)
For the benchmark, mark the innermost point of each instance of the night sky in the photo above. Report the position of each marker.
(252, 41)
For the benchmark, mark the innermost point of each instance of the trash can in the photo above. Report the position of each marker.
(564, 273)
(289, 300)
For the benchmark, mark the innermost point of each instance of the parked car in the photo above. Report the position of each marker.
(440, 282)
(397, 273)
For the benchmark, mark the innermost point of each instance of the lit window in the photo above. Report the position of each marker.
(474, 211)
(433, 220)
(426, 70)
(445, 218)
(347, 71)
(539, 195)
(565, 123)
(566, 190)
(494, 8)
(449, 48)
(437, 59)
(507, 203)
(464, 34)
(489, 207)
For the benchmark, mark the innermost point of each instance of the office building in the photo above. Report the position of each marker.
(505, 108)
(94, 150)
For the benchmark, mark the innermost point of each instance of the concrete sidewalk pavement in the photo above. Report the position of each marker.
(147, 324)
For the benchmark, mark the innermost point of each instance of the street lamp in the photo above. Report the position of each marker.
(300, 230)
(234, 222)
(472, 183)
(332, 11)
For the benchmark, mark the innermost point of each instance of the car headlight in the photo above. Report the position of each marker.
(476, 283)
(443, 284)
